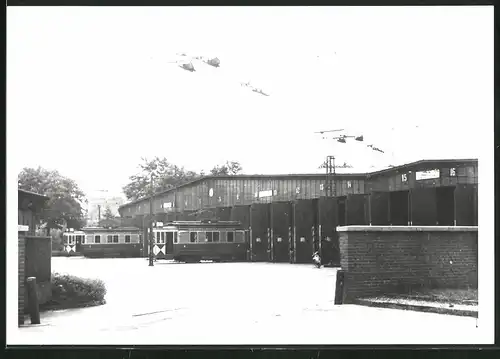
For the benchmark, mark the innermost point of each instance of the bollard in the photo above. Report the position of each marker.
(339, 287)
(33, 301)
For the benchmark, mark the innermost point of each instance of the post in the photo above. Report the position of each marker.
(99, 213)
(151, 234)
(339, 287)
(33, 301)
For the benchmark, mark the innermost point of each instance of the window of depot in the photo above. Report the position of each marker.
(127, 238)
(230, 236)
(97, 239)
(110, 239)
(193, 237)
(115, 238)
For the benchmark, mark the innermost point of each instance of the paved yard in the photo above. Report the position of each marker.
(230, 303)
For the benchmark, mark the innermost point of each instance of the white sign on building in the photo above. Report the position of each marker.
(267, 193)
(167, 205)
(425, 175)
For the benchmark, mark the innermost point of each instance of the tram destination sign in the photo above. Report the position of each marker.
(425, 175)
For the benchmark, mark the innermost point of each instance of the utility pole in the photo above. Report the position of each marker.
(331, 190)
(98, 213)
(330, 177)
(151, 234)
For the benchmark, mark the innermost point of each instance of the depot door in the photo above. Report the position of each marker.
(259, 222)
(281, 224)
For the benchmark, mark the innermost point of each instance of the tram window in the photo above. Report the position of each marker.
(216, 236)
(201, 237)
(230, 236)
(97, 239)
(193, 236)
(140, 238)
(158, 237)
(209, 236)
(169, 236)
(115, 238)
(175, 237)
(83, 239)
(110, 239)
(127, 238)
(162, 237)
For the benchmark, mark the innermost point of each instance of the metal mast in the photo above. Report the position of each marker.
(330, 176)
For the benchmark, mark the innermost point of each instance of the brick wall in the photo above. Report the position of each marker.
(35, 253)
(398, 259)
(21, 276)
(38, 257)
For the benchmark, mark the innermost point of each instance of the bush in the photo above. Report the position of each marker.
(73, 291)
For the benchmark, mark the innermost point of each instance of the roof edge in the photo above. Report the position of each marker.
(32, 193)
(364, 174)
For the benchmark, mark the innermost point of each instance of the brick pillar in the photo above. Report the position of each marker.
(21, 275)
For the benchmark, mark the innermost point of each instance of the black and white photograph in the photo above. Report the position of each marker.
(250, 175)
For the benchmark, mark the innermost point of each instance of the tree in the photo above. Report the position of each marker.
(64, 206)
(230, 168)
(165, 176)
(108, 214)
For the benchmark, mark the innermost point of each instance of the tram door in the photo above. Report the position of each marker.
(78, 242)
(159, 245)
(69, 243)
(169, 246)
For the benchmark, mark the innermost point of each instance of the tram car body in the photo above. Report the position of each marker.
(72, 242)
(112, 242)
(193, 241)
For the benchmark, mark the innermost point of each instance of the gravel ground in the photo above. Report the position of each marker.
(230, 303)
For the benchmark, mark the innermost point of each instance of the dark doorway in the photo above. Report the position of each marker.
(281, 223)
(328, 216)
(465, 201)
(445, 206)
(379, 208)
(357, 210)
(342, 207)
(259, 221)
(304, 220)
(424, 207)
(398, 208)
(169, 247)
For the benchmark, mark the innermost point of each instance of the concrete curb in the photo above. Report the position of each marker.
(418, 308)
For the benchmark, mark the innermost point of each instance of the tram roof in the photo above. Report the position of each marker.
(223, 224)
(110, 229)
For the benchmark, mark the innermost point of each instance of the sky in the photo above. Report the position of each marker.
(91, 90)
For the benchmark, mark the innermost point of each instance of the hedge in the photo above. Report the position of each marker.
(72, 291)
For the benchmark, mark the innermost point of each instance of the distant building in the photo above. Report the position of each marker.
(100, 203)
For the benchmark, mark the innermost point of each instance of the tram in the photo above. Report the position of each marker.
(193, 241)
(112, 242)
(72, 241)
